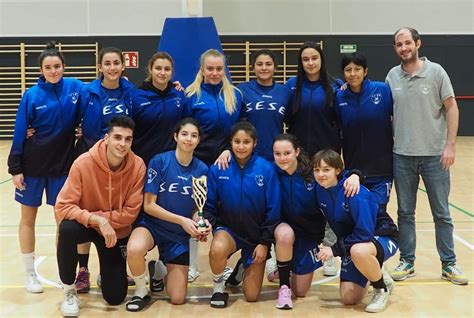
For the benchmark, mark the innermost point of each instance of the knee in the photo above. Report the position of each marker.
(300, 294)
(358, 252)
(114, 299)
(135, 250)
(349, 300)
(251, 297)
(177, 299)
(218, 249)
(67, 229)
(284, 237)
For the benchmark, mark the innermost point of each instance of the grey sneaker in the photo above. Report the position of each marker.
(452, 273)
(70, 305)
(329, 267)
(388, 280)
(379, 301)
(404, 270)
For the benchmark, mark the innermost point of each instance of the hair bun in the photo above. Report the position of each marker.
(50, 45)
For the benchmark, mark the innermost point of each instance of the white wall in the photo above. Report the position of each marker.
(146, 17)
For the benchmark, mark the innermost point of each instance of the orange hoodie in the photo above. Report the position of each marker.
(92, 188)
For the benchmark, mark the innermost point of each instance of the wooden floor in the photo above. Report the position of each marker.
(425, 295)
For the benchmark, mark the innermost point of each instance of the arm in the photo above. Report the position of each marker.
(364, 215)
(452, 118)
(19, 137)
(272, 209)
(153, 209)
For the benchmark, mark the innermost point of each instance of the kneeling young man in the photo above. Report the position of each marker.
(98, 203)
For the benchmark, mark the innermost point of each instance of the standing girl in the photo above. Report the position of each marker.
(243, 206)
(168, 218)
(101, 100)
(215, 103)
(41, 162)
(312, 118)
(366, 237)
(157, 108)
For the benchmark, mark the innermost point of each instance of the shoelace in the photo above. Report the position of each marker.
(377, 298)
(83, 278)
(454, 270)
(70, 298)
(286, 292)
(33, 279)
(401, 266)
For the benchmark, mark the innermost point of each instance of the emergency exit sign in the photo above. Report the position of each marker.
(348, 48)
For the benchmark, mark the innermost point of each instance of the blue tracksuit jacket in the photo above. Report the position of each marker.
(94, 112)
(266, 107)
(216, 123)
(314, 124)
(354, 220)
(246, 200)
(300, 206)
(366, 123)
(53, 111)
(156, 114)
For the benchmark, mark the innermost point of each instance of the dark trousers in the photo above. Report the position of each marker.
(112, 261)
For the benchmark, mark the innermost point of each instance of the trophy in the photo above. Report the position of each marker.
(200, 196)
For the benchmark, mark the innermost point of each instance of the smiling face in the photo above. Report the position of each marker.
(213, 69)
(52, 69)
(311, 60)
(161, 72)
(354, 75)
(242, 146)
(119, 143)
(187, 138)
(286, 156)
(405, 47)
(112, 67)
(325, 175)
(264, 69)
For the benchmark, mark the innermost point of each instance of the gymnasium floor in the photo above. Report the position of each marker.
(425, 295)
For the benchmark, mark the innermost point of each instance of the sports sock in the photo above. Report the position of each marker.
(83, 260)
(29, 261)
(218, 280)
(140, 285)
(284, 272)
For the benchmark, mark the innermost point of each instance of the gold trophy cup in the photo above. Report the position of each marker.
(200, 196)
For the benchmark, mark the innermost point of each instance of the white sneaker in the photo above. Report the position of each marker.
(32, 283)
(70, 305)
(379, 301)
(329, 267)
(192, 274)
(388, 280)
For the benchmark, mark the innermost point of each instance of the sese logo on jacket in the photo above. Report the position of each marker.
(259, 180)
(74, 97)
(151, 175)
(376, 98)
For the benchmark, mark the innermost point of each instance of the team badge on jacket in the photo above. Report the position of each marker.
(376, 98)
(151, 175)
(259, 180)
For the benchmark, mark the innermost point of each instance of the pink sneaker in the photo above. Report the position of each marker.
(83, 282)
(273, 276)
(284, 298)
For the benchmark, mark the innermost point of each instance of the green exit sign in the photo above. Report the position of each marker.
(348, 48)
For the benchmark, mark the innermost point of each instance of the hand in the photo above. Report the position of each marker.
(351, 186)
(108, 233)
(30, 132)
(260, 253)
(78, 132)
(325, 253)
(448, 156)
(178, 86)
(190, 227)
(202, 237)
(343, 87)
(19, 181)
(223, 160)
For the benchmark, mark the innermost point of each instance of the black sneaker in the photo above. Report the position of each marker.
(237, 275)
(156, 285)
